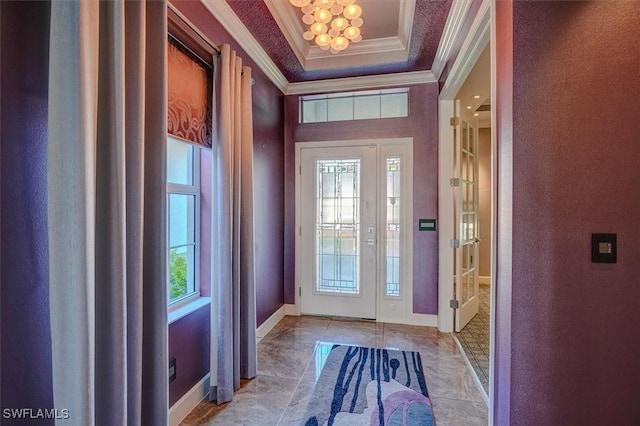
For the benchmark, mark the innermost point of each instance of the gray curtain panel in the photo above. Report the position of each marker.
(107, 211)
(234, 316)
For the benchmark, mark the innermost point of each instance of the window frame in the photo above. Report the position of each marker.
(184, 189)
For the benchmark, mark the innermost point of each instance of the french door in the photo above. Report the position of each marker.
(465, 243)
(350, 230)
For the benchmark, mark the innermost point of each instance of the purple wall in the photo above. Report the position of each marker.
(422, 126)
(26, 340)
(189, 344)
(575, 340)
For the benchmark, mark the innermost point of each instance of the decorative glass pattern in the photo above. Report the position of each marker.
(392, 228)
(189, 85)
(338, 226)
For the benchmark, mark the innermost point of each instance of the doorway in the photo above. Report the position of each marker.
(354, 207)
(466, 282)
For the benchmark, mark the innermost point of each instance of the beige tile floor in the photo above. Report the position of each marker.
(290, 358)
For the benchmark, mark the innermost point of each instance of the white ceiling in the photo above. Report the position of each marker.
(478, 83)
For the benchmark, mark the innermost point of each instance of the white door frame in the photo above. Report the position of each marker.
(472, 48)
(480, 34)
(402, 309)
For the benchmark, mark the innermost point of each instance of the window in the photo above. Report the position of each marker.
(392, 227)
(370, 104)
(183, 206)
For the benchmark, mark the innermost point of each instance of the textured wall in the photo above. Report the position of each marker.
(422, 126)
(575, 343)
(484, 201)
(189, 345)
(26, 340)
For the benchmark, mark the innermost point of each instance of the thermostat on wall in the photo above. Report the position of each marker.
(426, 224)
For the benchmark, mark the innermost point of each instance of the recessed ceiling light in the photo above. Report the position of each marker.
(475, 114)
(469, 106)
(476, 96)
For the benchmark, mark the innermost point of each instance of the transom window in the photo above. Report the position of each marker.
(345, 106)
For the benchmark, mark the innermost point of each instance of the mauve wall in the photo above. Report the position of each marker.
(422, 126)
(26, 340)
(575, 339)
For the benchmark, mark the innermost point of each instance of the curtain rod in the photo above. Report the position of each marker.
(193, 28)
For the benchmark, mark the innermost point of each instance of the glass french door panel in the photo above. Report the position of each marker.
(463, 287)
(338, 226)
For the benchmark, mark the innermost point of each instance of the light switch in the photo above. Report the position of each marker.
(603, 248)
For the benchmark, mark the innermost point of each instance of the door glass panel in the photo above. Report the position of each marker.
(392, 228)
(463, 288)
(338, 226)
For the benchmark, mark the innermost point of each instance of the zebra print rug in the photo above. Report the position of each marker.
(367, 386)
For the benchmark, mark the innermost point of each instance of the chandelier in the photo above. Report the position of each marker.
(332, 23)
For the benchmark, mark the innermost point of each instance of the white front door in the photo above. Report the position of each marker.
(354, 250)
(465, 185)
(338, 231)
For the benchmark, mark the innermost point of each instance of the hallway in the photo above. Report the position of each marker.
(474, 339)
(291, 356)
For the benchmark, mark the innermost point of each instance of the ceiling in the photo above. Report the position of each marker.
(399, 37)
(475, 93)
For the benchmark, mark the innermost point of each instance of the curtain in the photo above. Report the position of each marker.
(107, 211)
(234, 316)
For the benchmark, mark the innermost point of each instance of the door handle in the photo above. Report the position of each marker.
(477, 240)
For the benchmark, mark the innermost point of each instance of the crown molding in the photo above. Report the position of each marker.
(361, 83)
(474, 43)
(405, 22)
(366, 52)
(234, 26)
(457, 14)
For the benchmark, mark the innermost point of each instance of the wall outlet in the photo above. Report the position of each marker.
(172, 370)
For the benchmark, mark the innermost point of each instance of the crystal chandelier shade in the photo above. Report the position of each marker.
(332, 24)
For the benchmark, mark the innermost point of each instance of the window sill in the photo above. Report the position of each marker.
(187, 309)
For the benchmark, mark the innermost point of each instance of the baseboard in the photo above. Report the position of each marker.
(484, 280)
(271, 322)
(291, 310)
(427, 320)
(476, 379)
(189, 401)
(274, 319)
